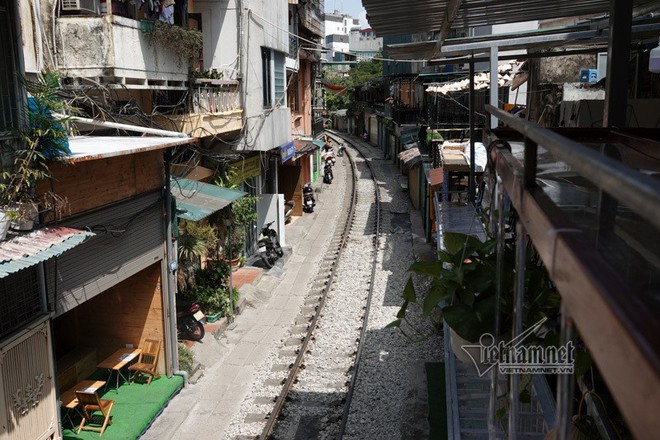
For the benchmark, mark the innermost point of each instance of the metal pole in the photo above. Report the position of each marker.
(518, 309)
(471, 191)
(492, 413)
(493, 84)
(231, 281)
(565, 382)
(171, 282)
(618, 64)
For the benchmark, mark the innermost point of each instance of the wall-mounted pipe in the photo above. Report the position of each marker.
(119, 126)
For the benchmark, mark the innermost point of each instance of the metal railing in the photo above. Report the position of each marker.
(215, 99)
(615, 322)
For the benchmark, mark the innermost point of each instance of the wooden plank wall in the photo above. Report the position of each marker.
(290, 184)
(127, 313)
(90, 184)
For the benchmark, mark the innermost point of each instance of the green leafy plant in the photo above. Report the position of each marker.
(196, 241)
(241, 214)
(211, 291)
(186, 358)
(463, 287)
(208, 74)
(41, 138)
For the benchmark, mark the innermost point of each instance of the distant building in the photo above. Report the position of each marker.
(365, 44)
(336, 43)
(340, 24)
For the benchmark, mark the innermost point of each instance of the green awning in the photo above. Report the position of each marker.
(319, 143)
(197, 200)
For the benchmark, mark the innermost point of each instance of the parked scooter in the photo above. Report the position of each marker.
(269, 246)
(327, 172)
(288, 210)
(309, 202)
(189, 320)
(340, 150)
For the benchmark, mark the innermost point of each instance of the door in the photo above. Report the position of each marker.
(28, 405)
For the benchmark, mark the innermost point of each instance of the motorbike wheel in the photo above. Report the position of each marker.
(192, 329)
(271, 255)
(266, 259)
(278, 249)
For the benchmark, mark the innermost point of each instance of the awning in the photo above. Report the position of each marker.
(197, 200)
(403, 17)
(85, 148)
(410, 157)
(27, 250)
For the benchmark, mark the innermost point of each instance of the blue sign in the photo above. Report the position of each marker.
(287, 151)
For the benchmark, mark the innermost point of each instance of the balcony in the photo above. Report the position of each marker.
(215, 109)
(311, 19)
(113, 51)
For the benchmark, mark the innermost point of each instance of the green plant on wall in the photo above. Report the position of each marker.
(186, 42)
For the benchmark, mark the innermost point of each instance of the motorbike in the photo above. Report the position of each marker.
(269, 246)
(328, 155)
(189, 320)
(340, 150)
(309, 202)
(327, 172)
(288, 210)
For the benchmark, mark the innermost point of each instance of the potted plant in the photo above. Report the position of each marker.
(233, 221)
(196, 241)
(463, 288)
(40, 138)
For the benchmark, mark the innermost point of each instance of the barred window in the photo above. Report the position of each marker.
(20, 301)
(8, 80)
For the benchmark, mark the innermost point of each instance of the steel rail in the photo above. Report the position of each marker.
(293, 372)
(374, 263)
(639, 192)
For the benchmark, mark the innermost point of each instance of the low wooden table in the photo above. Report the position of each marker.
(118, 360)
(69, 399)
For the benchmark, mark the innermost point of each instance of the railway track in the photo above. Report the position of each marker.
(325, 343)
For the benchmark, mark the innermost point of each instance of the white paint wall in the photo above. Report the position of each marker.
(517, 96)
(264, 24)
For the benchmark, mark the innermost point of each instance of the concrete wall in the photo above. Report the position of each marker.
(263, 26)
(115, 46)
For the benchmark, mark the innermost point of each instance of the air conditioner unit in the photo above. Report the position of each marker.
(81, 6)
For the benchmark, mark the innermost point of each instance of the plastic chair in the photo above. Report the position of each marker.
(148, 361)
(90, 404)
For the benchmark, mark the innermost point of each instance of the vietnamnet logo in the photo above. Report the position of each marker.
(513, 357)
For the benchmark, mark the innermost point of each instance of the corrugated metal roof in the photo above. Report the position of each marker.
(196, 200)
(27, 250)
(401, 17)
(99, 147)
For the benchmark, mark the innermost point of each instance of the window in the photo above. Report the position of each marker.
(266, 75)
(280, 78)
(8, 91)
(20, 300)
(273, 77)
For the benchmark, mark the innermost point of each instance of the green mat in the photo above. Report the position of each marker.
(435, 378)
(136, 405)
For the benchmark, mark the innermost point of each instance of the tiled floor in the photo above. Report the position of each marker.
(245, 275)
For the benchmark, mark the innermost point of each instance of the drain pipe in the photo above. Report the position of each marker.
(171, 267)
(241, 58)
(117, 125)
